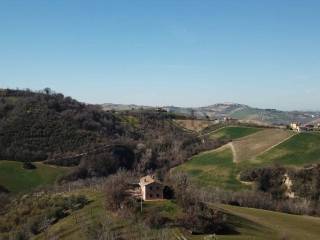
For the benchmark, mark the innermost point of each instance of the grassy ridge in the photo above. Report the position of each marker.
(261, 224)
(233, 132)
(301, 149)
(17, 179)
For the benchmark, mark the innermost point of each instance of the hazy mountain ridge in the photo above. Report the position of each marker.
(123, 107)
(234, 110)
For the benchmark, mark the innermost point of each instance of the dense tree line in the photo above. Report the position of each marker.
(254, 198)
(305, 182)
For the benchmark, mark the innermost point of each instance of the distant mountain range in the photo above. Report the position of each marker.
(234, 110)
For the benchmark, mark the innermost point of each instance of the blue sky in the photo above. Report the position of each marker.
(165, 52)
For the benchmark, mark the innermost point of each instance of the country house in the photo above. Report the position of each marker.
(151, 188)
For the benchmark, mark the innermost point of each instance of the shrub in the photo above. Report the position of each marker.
(117, 189)
(29, 165)
(201, 219)
(156, 220)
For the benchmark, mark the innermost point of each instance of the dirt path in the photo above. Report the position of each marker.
(244, 182)
(234, 153)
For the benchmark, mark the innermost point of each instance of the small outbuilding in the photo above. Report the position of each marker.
(151, 188)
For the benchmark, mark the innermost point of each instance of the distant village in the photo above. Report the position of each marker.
(298, 127)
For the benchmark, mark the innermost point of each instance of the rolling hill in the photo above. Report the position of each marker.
(17, 179)
(221, 167)
(234, 110)
(259, 224)
(247, 148)
(49, 127)
(301, 149)
(250, 223)
(38, 126)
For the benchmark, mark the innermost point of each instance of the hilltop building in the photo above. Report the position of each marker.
(299, 128)
(309, 127)
(230, 120)
(295, 126)
(151, 188)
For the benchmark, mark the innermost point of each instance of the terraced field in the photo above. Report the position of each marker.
(17, 179)
(233, 132)
(301, 149)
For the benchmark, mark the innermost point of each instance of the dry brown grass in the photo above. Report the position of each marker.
(194, 125)
(249, 147)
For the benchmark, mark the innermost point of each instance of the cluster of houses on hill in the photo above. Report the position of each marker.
(224, 120)
(298, 127)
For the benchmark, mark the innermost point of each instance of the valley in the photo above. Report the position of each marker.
(226, 171)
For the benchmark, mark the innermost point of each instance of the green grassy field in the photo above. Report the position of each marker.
(214, 168)
(301, 149)
(17, 179)
(259, 224)
(221, 167)
(233, 132)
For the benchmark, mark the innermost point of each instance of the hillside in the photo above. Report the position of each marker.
(49, 127)
(249, 147)
(17, 179)
(193, 125)
(278, 162)
(247, 113)
(257, 224)
(301, 149)
(213, 169)
(86, 144)
(250, 223)
(233, 132)
(234, 110)
(35, 126)
(221, 167)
